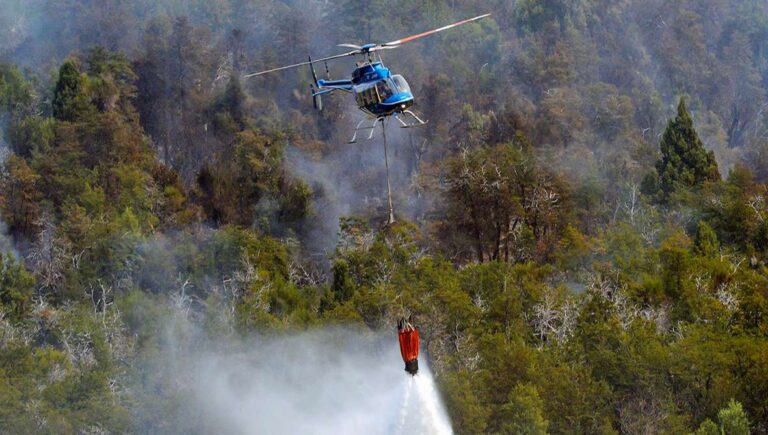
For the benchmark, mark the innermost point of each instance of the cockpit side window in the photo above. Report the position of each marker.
(385, 90)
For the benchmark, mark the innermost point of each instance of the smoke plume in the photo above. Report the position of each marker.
(321, 382)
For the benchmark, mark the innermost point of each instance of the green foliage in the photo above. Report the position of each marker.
(494, 193)
(32, 134)
(19, 197)
(149, 195)
(708, 427)
(342, 287)
(250, 186)
(733, 419)
(705, 243)
(469, 415)
(69, 98)
(523, 414)
(16, 286)
(684, 161)
(16, 93)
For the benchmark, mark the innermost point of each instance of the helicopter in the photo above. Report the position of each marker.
(378, 93)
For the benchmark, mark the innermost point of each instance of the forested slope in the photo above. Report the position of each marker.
(582, 227)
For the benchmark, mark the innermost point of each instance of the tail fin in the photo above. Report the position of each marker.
(314, 74)
(316, 98)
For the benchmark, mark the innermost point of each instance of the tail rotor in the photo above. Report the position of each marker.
(317, 99)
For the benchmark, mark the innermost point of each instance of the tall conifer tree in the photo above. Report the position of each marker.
(685, 163)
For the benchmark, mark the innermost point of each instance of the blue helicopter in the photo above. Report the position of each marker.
(378, 93)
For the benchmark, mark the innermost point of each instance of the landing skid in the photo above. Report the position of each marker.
(372, 129)
(406, 118)
(412, 120)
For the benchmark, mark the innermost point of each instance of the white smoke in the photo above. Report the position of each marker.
(321, 382)
(350, 180)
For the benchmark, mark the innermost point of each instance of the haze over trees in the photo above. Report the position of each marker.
(582, 227)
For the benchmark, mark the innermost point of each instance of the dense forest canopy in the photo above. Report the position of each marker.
(582, 230)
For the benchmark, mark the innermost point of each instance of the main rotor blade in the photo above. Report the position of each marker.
(356, 47)
(399, 42)
(351, 53)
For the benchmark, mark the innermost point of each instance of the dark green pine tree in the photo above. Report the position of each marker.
(684, 161)
(66, 92)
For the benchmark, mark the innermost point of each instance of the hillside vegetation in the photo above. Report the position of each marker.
(582, 230)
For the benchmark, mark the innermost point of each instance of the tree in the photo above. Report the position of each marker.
(175, 79)
(19, 197)
(675, 258)
(684, 164)
(16, 286)
(524, 414)
(708, 427)
(500, 204)
(733, 419)
(16, 92)
(247, 185)
(705, 243)
(68, 97)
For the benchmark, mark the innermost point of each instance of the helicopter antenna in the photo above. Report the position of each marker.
(386, 165)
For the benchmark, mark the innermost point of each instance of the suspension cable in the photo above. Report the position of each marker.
(386, 164)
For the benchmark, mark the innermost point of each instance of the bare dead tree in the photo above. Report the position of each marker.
(757, 204)
(32, 407)
(631, 204)
(101, 297)
(246, 283)
(641, 416)
(554, 322)
(50, 255)
(386, 271)
(726, 295)
(305, 275)
(659, 316)
(79, 347)
(182, 300)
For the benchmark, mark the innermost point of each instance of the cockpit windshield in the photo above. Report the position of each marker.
(391, 86)
(401, 84)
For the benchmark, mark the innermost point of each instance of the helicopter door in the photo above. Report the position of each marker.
(367, 97)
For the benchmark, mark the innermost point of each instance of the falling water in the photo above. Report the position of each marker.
(422, 411)
(321, 382)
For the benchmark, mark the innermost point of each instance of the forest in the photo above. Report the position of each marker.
(582, 226)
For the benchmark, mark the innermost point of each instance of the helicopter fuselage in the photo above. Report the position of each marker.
(377, 91)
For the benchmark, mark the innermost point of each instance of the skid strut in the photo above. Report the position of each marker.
(372, 127)
(413, 120)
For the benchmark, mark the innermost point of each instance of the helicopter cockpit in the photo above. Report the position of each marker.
(384, 96)
(401, 84)
(393, 85)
